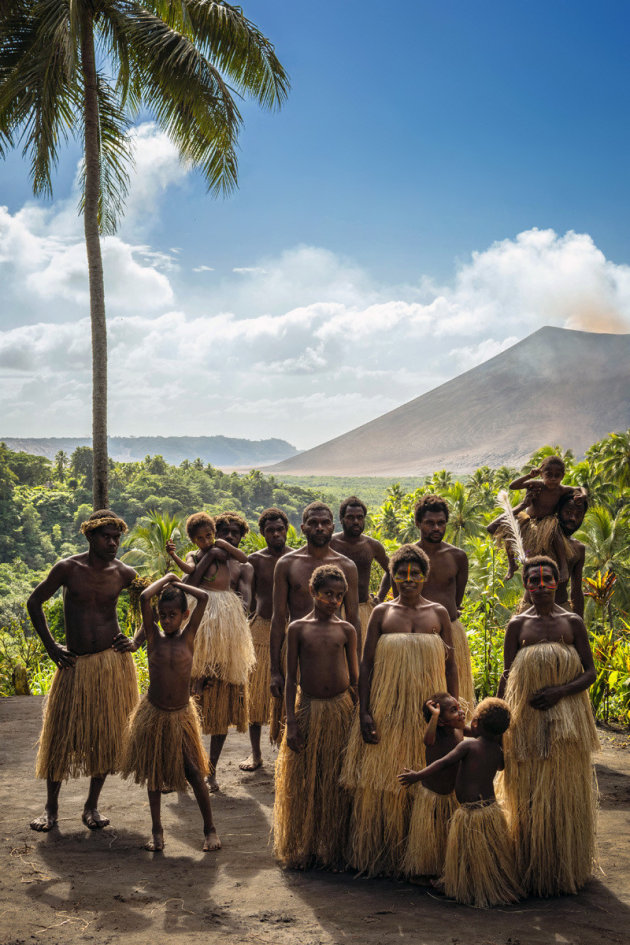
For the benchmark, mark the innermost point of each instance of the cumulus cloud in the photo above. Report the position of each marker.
(305, 345)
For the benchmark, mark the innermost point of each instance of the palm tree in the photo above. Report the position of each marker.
(167, 56)
(146, 544)
(465, 515)
(614, 458)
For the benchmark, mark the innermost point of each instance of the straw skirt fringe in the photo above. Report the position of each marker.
(479, 868)
(223, 643)
(428, 831)
(408, 669)
(311, 811)
(156, 743)
(540, 534)
(85, 716)
(222, 705)
(464, 668)
(548, 783)
(260, 679)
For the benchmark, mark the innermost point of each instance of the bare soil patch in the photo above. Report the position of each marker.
(73, 886)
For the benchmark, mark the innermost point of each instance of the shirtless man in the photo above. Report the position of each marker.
(291, 596)
(446, 583)
(233, 528)
(361, 549)
(88, 742)
(273, 524)
(571, 515)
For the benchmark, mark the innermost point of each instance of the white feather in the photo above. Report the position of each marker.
(509, 520)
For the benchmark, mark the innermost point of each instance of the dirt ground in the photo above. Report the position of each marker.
(72, 886)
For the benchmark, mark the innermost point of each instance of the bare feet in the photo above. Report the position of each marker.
(511, 571)
(93, 820)
(213, 785)
(156, 845)
(211, 842)
(438, 887)
(251, 763)
(46, 822)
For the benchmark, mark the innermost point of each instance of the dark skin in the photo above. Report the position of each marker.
(209, 565)
(241, 571)
(443, 733)
(449, 566)
(291, 595)
(476, 761)
(545, 621)
(409, 613)
(324, 649)
(264, 563)
(170, 656)
(360, 548)
(92, 583)
(571, 516)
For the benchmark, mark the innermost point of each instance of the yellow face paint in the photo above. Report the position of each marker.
(416, 578)
(550, 584)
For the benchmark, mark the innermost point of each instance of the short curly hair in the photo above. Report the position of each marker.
(408, 554)
(175, 594)
(316, 507)
(440, 698)
(351, 500)
(325, 573)
(493, 715)
(553, 461)
(232, 518)
(198, 520)
(429, 503)
(270, 515)
(538, 561)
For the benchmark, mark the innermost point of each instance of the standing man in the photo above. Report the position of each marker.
(361, 549)
(291, 596)
(571, 512)
(95, 686)
(446, 584)
(273, 524)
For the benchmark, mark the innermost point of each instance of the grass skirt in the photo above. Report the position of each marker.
(85, 717)
(312, 812)
(223, 643)
(464, 668)
(408, 669)
(222, 705)
(548, 781)
(260, 679)
(278, 711)
(479, 869)
(540, 534)
(428, 831)
(156, 743)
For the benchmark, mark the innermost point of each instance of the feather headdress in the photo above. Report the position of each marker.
(513, 535)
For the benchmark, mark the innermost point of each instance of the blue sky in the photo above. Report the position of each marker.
(419, 140)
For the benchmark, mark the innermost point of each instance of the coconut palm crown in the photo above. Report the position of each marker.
(87, 68)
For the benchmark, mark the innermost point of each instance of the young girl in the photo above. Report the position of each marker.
(163, 748)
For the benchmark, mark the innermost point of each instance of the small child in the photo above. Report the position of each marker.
(479, 868)
(537, 514)
(224, 652)
(435, 803)
(311, 811)
(163, 745)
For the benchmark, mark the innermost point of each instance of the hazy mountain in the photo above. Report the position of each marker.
(556, 386)
(218, 450)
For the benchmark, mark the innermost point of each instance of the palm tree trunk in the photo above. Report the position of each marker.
(95, 265)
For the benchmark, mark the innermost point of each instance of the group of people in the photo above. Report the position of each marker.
(385, 763)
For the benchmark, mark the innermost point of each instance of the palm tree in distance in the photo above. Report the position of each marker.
(168, 56)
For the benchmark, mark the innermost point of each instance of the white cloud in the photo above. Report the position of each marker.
(305, 345)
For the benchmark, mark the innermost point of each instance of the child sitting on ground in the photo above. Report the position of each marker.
(312, 812)
(435, 803)
(479, 868)
(163, 746)
(537, 515)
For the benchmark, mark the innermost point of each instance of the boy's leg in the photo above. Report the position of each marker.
(91, 817)
(255, 759)
(216, 747)
(202, 795)
(49, 818)
(155, 803)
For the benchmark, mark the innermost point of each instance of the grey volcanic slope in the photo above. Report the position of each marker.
(555, 386)
(218, 450)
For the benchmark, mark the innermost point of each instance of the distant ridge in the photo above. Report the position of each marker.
(220, 451)
(555, 386)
